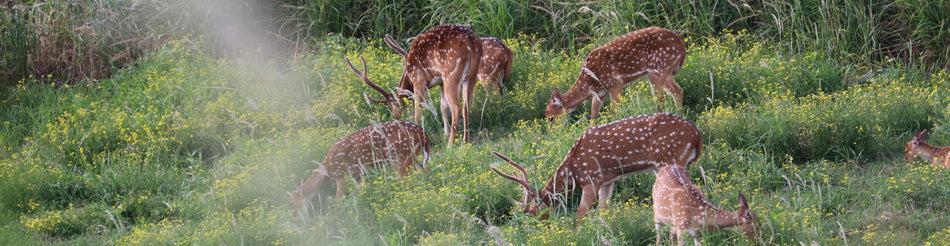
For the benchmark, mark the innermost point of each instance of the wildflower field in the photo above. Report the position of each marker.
(184, 147)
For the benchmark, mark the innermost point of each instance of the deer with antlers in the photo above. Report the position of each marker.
(653, 51)
(390, 100)
(918, 147)
(677, 202)
(396, 142)
(495, 64)
(608, 152)
(448, 55)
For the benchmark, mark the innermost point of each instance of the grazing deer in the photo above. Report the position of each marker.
(396, 142)
(654, 51)
(681, 205)
(447, 55)
(608, 152)
(495, 64)
(917, 146)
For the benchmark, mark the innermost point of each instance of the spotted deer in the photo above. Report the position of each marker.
(605, 153)
(447, 55)
(681, 205)
(918, 147)
(653, 51)
(495, 64)
(395, 142)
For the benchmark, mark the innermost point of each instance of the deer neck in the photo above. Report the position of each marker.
(720, 219)
(310, 186)
(404, 82)
(559, 184)
(578, 93)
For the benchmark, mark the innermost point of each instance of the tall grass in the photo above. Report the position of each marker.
(856, 31)
(77, 39)
(866, 121)
(65, 41)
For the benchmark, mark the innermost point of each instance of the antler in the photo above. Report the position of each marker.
(393, 44)
(523, 180)
(922, 135)
(387, 97)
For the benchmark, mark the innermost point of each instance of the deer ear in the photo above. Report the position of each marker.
(923, 135)
(556, 97)
(400, 92)
(744, 207)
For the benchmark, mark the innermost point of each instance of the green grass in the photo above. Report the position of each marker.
(91, 39)
(185, 148)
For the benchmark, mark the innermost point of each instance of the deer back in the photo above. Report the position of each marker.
(437, 52)
(495, 63)
(678, 202)
(389, 142)
(648, 50)
(918, 147)
(651, 50)
(607, 152)
(676, 199)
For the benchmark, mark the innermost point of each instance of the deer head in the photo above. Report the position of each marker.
(299, 204)
(747, 220)
(393, 103)
(911, 149)
(529, 200)
(555, 105)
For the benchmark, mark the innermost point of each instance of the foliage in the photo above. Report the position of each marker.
(185, 148)
(912, 30)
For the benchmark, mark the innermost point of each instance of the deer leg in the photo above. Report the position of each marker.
(679, 234)
(467, 88)
(670, 84)
(469, 78)
(606, 191)
(340, 188)
(659, 237)
(695, 235)
(417, 109)
(452, 97)
(420, 96)
(446, 110)
(587, 200)
(615, 91)
(404, 167)
(658, 91)
(499, 82)
(595, 105)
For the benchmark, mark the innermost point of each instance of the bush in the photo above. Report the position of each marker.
(732, 68)
(864, 120)
(72, 221)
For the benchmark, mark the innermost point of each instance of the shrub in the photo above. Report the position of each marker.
(441, 239)
(864, 120)
(72, 221)
(732, 68)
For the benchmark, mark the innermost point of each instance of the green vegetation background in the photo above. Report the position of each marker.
(804, 106)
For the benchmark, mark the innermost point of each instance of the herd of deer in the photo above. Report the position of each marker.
(454, 57)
